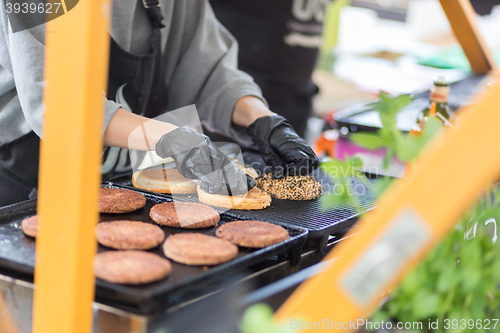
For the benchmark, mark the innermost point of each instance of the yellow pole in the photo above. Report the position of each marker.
(462, 19)
(409, 219)
(76, 71)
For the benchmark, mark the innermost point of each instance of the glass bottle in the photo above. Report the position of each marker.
(439, 96)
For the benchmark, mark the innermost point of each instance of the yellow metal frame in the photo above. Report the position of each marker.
(76, 71)
(462, 19)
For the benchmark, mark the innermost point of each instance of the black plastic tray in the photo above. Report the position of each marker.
(17, 253)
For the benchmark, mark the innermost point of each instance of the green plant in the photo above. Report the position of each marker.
(456, 285)
(342, 172)
(258, 318)
(405, 147)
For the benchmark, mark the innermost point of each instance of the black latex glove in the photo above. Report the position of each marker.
(196, 157)
(281, 147)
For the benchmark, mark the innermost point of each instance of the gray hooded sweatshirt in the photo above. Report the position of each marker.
(199, 55)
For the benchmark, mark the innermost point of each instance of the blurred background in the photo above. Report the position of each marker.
(395, 46)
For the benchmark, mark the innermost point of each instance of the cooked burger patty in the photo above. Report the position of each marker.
(198, 249)
(291, 187)
(30, 226)
(130, 267)
(254, 234)
(129, 235)
(114, 200)
(191, 215)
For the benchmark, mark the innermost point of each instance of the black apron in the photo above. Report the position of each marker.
(265, 31)
(133, 80)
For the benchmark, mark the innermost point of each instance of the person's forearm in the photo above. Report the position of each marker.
(248, 109)
(128, 130)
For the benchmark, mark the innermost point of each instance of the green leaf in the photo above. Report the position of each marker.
(448, 278)
(338, 169)
(413, 281)
(470, 277)
(379, 316)
(341, 195)
(408, 148)
(496, 270)
(257, 319)
(388, 158)
(380, 185)
(388, 107)
(425, 304)
(431, 129)
(401, 101)
(411, 145)
(471, 253)
(477, 306)
(369, 140)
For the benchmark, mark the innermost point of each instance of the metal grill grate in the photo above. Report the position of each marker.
(309, 214)
(17, 253)
(305, 214)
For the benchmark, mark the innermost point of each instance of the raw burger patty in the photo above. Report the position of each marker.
(198, 249)
(254, 234)
(291, 187)
(129, 235)
(114, 200)
(130, 267)
(191, 215)
(30, 226)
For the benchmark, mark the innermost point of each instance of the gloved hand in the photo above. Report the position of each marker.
(196, 157)
(281, 148)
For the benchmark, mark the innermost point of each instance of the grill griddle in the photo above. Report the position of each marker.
(17, 253)
(305, 214)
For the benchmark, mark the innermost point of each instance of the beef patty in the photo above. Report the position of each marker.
(130, 267)
(115, 200)
(256, 234)
(190, 215)
(129, 235)
(199, 249)
(30, 226)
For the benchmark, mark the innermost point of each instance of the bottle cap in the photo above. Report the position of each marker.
(441, 81)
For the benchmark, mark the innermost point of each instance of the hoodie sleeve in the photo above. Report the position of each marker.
(22, 66)
(206, 73)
